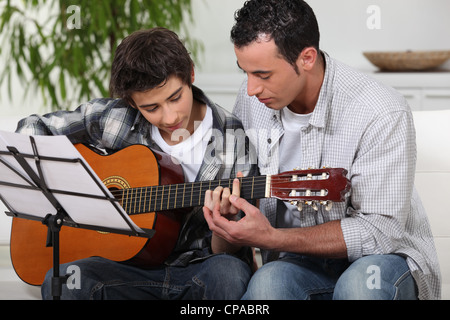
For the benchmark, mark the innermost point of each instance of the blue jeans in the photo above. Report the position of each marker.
(219, 277)
(294, 277)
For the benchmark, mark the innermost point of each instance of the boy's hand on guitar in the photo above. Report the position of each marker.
(221, 196)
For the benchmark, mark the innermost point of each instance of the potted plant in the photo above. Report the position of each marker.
(65, 48)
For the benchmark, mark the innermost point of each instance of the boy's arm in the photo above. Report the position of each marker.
(81, 125)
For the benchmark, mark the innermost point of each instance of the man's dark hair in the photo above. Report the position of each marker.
(292, 24)
(146, 59)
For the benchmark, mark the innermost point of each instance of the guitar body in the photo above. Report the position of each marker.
(132, 167)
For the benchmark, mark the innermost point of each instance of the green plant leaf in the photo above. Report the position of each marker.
(67, 64)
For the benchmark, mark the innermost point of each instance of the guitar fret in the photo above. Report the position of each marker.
(123, 198)
(200, 193)
(156, 198)
(127, 204)
(161, 197)
(145, 199)
(140, 199)
(132, 203)
(176, 197)
(136, 191)
(168, 198)
(192, 191)
(150, 199)
(130, 200)
(253, 185)
(184, 193)
(134, 194)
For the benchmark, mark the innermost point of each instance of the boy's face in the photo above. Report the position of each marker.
(168, 107)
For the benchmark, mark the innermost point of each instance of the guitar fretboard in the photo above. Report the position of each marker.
(183, 195)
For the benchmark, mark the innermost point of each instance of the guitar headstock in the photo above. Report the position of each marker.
(313, 187)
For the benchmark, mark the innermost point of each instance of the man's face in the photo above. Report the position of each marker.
(270, 77)
(168, 107)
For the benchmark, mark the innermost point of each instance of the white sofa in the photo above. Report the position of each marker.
(433, 181)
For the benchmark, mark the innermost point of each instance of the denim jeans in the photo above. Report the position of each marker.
(219, 277)
(294, 277)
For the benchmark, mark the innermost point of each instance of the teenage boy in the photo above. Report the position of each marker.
(158, 106)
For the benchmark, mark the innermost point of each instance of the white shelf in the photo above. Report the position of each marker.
(439, 79)
(423, 90)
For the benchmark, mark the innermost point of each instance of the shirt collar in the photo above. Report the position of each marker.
(136, 120)
(319, 116)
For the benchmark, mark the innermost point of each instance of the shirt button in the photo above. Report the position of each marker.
(269, 141)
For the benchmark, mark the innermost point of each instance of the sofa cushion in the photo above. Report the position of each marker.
(433, 181)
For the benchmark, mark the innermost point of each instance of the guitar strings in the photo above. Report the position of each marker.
(199, 186)
(142, 199)
(185, 189)
(244, 181)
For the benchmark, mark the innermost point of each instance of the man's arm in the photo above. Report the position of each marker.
(325, 240)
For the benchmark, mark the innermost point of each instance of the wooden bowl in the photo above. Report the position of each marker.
(407, 60)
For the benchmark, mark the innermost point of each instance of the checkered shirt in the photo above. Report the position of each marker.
(367, 128)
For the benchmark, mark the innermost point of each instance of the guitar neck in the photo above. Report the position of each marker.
(184, 195)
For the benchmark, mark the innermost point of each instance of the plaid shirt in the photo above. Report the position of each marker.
(111, 125)
(367, 128)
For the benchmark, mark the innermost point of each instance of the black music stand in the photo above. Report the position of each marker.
(25, 178)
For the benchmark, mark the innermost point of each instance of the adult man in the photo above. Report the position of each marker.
(301, 108)
(152, 76)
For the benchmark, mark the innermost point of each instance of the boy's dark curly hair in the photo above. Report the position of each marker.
(292, 24)
(146, 59)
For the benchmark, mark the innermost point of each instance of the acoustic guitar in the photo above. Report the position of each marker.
(151, 189)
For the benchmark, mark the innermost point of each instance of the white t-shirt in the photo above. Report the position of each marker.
(290, 158)
(191, 150)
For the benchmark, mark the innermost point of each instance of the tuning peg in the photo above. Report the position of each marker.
(313, 204)
(327, 204)
(299, 205)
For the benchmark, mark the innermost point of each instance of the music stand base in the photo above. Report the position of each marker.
(54, 224)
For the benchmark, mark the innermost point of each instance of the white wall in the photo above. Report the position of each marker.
(405, 25)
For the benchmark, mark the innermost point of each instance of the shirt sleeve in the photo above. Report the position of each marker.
(92, 122)
(69, 123)
(382, 179)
